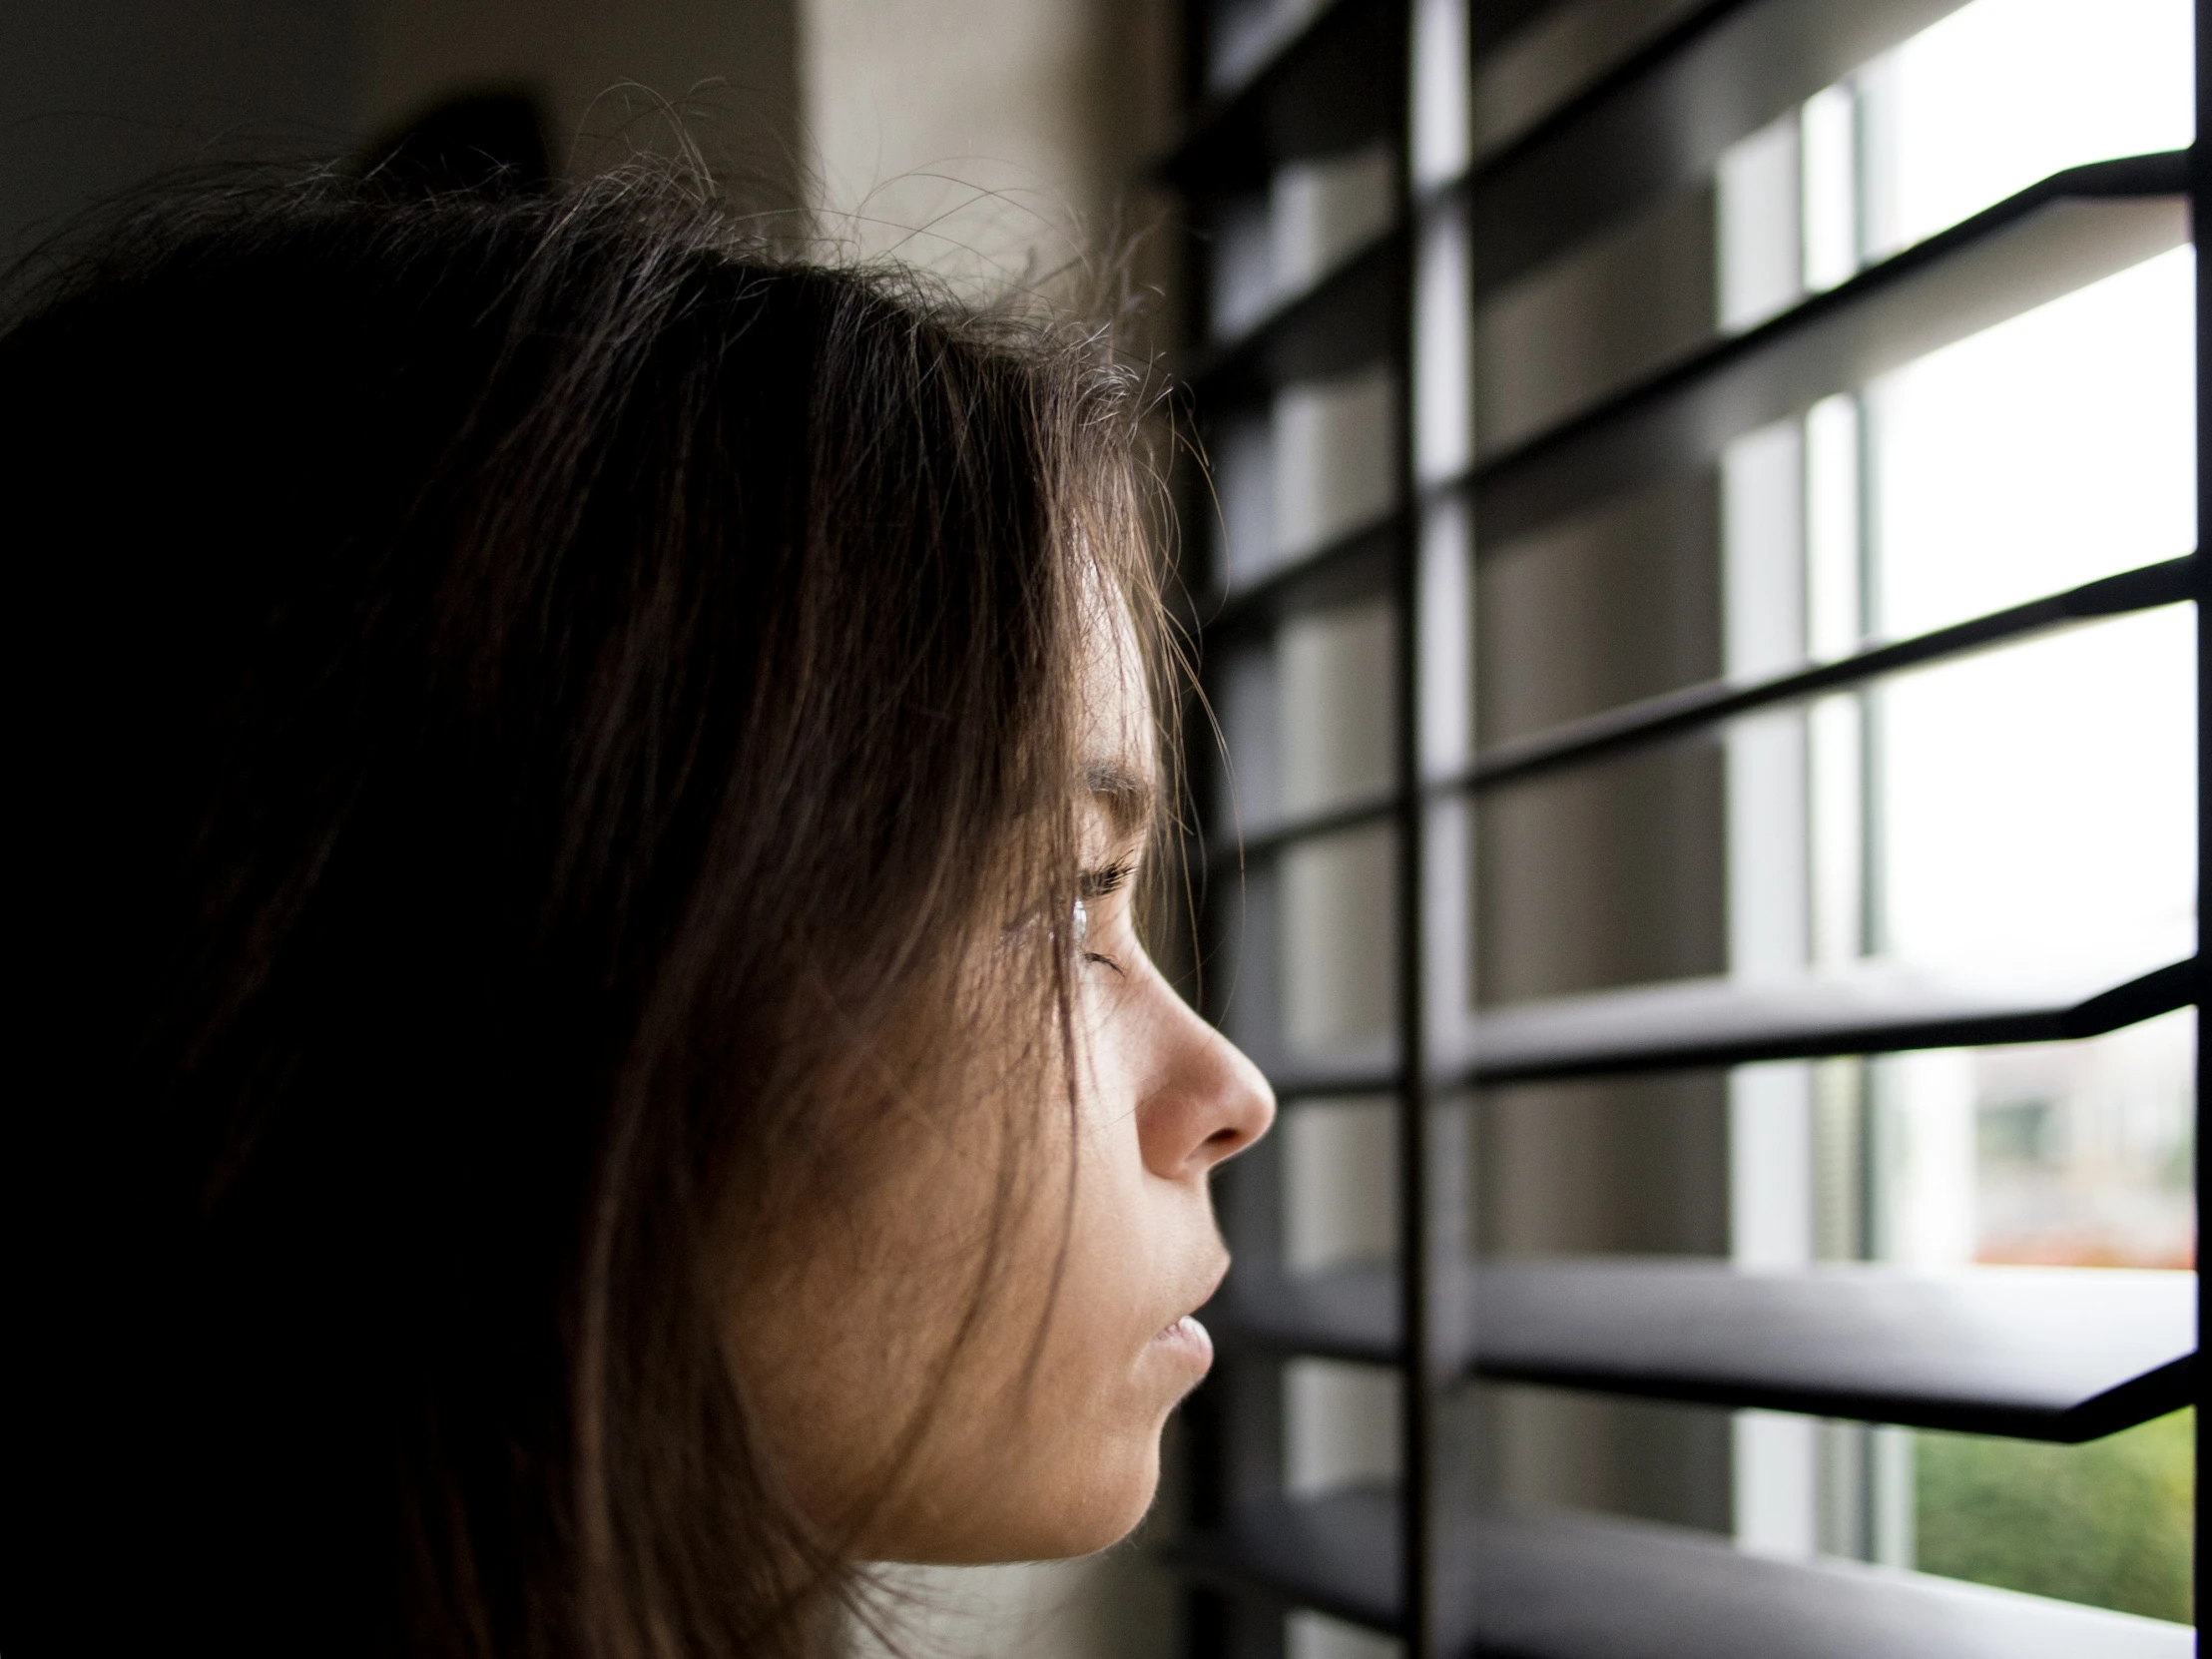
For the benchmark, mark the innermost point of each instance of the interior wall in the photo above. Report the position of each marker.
(608, 74)
(97, 96)
(992, 140)
(987, 140)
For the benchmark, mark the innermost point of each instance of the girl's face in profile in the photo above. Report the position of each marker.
(1025, 1423)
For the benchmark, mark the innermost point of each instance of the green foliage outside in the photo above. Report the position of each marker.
(2106, 1523)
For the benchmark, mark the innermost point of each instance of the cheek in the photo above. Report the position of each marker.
(831, 1355)
(1107, 1308)
(1042, 1433)
(840, 1336)
(1068, 1458)
(1053, 1449)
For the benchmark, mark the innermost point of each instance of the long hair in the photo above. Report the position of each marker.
(526, 707)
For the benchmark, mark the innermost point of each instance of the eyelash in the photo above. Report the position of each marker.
(1097, 884)
(1094, 884)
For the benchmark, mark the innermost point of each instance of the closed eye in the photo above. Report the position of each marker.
(1097, 884)
(1093, 885)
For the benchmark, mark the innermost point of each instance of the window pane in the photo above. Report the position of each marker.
(2083, 1149)
(2108, 1523)
(2040, 802)
(2004, 92)
(2054, 448)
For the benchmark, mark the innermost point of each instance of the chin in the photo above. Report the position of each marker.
(1107, 1521)
(1088, 1503)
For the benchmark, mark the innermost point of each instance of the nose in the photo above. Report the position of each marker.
(1205, 1101)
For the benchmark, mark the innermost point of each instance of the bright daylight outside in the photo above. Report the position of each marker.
(2027, 810)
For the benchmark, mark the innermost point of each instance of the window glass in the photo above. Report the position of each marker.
(2031, 808)
(2004, 92)
(2051, 449)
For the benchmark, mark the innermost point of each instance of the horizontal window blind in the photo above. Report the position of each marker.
(1525, 334)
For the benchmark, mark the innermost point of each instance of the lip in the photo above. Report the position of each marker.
(1187, 1340)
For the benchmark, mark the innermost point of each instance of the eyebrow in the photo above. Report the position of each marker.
(1126, 796)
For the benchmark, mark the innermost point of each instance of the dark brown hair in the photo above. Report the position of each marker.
(522, 701)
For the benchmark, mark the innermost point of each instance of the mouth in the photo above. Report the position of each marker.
(1185, 1338)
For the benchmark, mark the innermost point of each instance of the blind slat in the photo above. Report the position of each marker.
(1559, 1587)
(1881, 1008)
(1661, 121)
(2058, 236)
(1321, 90)
(2047, 1353)
(1338, 324)
(1677, 713)
(1676, 1024)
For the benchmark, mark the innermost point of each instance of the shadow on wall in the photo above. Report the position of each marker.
(478, 142)
(99, 96)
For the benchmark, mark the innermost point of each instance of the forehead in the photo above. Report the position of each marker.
(1118, 749)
